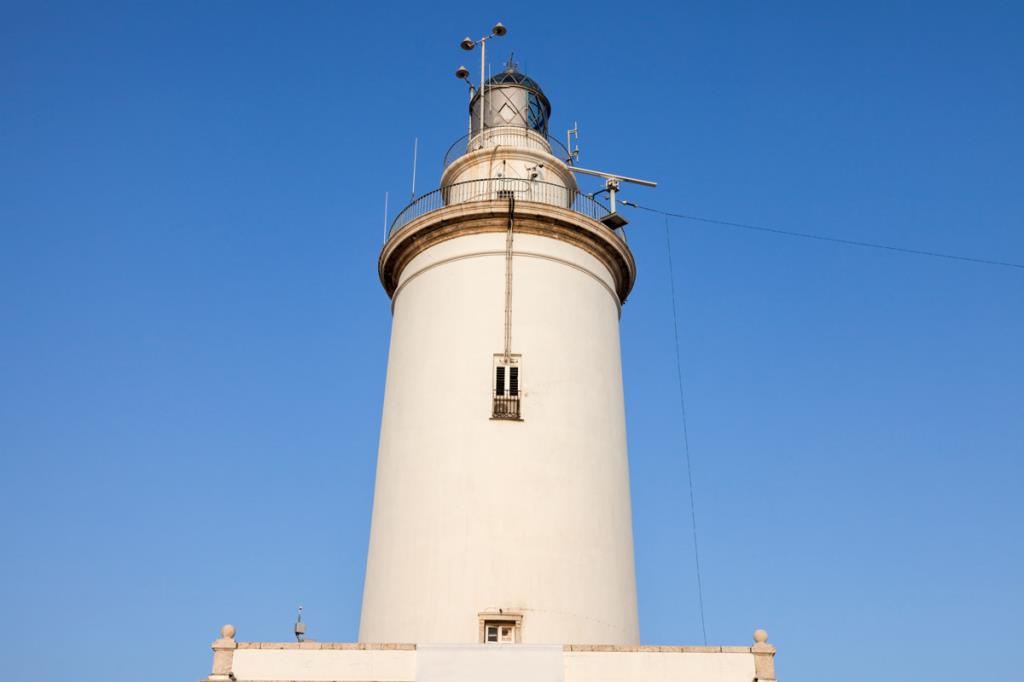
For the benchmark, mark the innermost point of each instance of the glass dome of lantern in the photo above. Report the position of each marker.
(511, 99)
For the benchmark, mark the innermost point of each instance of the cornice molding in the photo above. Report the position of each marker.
(481, 217)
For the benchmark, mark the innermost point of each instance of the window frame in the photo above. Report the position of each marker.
(502, 619)
(506, 387)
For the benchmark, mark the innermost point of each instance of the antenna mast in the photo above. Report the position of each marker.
(415, 150)
(574, 154)
(611, 185)
(300, 628)
(468, 44)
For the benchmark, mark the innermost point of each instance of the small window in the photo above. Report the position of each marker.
(506, 390)
(500, 631)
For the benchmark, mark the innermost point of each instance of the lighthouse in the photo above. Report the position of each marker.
(501, 540)
(501, 509)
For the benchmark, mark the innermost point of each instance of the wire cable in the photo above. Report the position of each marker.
(835, 240)
(686, 434)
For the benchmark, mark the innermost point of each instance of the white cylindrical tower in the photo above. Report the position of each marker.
(501, 511)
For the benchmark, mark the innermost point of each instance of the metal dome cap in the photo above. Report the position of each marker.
(512, 75)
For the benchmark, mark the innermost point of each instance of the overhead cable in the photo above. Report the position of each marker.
(686, 434)
(823, 238)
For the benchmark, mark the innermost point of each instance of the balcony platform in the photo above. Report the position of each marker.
(361, 662)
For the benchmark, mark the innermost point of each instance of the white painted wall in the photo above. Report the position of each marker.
(483, 663)
(323, 665)
(509, 153)
(637, 666)
(509, 162)
(488, 662)
(472, 514)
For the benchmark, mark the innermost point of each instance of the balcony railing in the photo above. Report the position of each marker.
(506, 136)
(492, 189)
(506, 407)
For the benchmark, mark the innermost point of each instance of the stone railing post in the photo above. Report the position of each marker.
(223, 655)
(764, 658)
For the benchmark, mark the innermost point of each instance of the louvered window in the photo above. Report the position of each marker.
(506, 390)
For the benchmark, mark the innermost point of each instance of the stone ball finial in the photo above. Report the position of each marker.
(228, 631)
(760, 636)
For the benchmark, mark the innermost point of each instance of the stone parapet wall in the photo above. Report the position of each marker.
(406, 662)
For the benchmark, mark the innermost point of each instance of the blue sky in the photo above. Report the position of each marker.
(194, 338)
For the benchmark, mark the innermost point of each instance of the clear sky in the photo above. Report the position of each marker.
(194, 338)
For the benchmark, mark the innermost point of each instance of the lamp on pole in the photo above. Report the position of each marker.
(468, 44)
(462, 73)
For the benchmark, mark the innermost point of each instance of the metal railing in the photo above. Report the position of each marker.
(505, 136)
(492, 189)
(506, 407)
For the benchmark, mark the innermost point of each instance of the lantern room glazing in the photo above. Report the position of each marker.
(511, 99)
